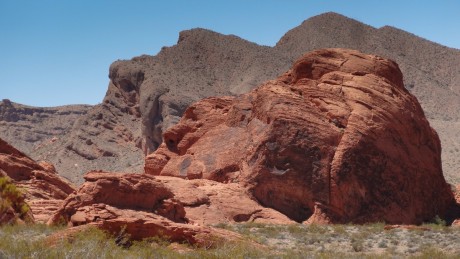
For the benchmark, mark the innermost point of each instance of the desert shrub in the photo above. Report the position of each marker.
(223, 226)
(12, 197)
(30, 241)
(432, 252)
(439, 221)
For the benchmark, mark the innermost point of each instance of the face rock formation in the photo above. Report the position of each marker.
(336, 139)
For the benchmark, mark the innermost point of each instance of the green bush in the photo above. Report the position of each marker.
(12, 197)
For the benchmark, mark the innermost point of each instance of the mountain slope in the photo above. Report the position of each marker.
(30, 127)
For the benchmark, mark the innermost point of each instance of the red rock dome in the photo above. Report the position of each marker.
(336, 139)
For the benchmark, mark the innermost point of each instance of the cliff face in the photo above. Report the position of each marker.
(148, 94)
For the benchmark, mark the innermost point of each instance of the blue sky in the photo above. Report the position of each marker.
(58, 52)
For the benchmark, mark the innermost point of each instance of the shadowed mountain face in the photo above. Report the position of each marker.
(148, 94)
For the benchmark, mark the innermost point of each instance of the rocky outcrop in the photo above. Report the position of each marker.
(174, 208)
(198, 201)
(335, 139)
(137, 225)
(44, 188)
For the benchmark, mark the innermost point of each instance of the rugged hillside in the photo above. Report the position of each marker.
(29, 127)
(147, 94)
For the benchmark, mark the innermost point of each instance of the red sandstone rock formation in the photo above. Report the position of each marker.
(336, 139)
(147, 206)
(45, 190)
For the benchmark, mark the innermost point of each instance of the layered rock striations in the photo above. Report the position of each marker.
(335, 139)
(44, 188)
(176, 209)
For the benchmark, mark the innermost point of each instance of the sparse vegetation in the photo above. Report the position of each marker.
(437, 223)
(353, 241)
(280, 241)
(12, 197)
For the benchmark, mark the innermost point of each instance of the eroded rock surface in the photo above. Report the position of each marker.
(44, 188)
(335, 139)
(197, 201)
(168, 206)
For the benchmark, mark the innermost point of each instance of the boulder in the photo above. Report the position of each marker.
(137, 226)
(336, 139)
(44, 188)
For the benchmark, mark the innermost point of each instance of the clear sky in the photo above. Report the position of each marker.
(57, 52)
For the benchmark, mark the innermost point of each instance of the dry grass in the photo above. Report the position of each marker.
(281, 241)
(354, 240)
